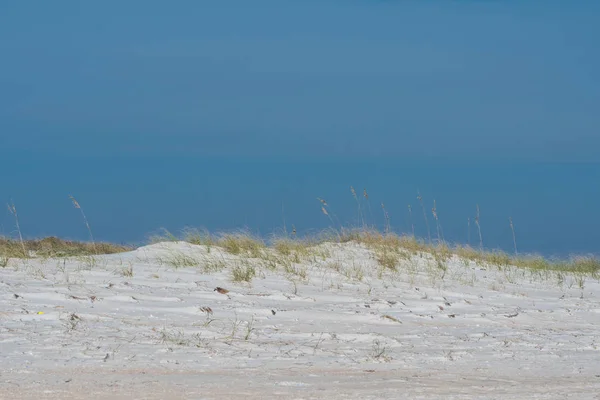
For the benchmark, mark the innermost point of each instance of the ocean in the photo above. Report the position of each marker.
(553, 206)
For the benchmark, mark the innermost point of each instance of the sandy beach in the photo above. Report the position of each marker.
(328, 322)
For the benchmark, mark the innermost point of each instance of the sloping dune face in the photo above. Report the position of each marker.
(337, 321)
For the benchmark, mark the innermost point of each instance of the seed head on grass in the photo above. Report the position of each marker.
(324, 209)
(325, 212)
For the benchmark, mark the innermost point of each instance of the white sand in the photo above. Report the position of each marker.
(76, 329)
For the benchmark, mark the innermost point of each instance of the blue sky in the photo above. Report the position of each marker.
(129, 105)
(310, 78)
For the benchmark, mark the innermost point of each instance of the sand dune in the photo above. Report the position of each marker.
(328, 323)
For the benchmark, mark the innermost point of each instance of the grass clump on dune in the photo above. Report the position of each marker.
(243, 272)
(390, 247)
(287, 247)
(580, 264)
(237, 243)
(55, 247)
(241, 243)
(163, 235)
(199, 237)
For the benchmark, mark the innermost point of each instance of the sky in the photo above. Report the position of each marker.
(99, 92)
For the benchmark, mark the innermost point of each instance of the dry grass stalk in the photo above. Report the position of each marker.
(77, 206)
(479, 229)
(469, 231)
(366, 196)
(424, 216)
(361, 218)
(283, 218)
(440, 234)
(512, 228)
(13, 210)
(386, 217)
(410, 218)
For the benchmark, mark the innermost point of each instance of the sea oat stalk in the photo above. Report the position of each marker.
(85, 220)
(13, 210)
(366, 196)
(324, 210)
(386, 217)
(512, 228)
(479, 229)
(469, 231)
(440, 233)
(424, 215)
(361, 218)
(410, 219)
